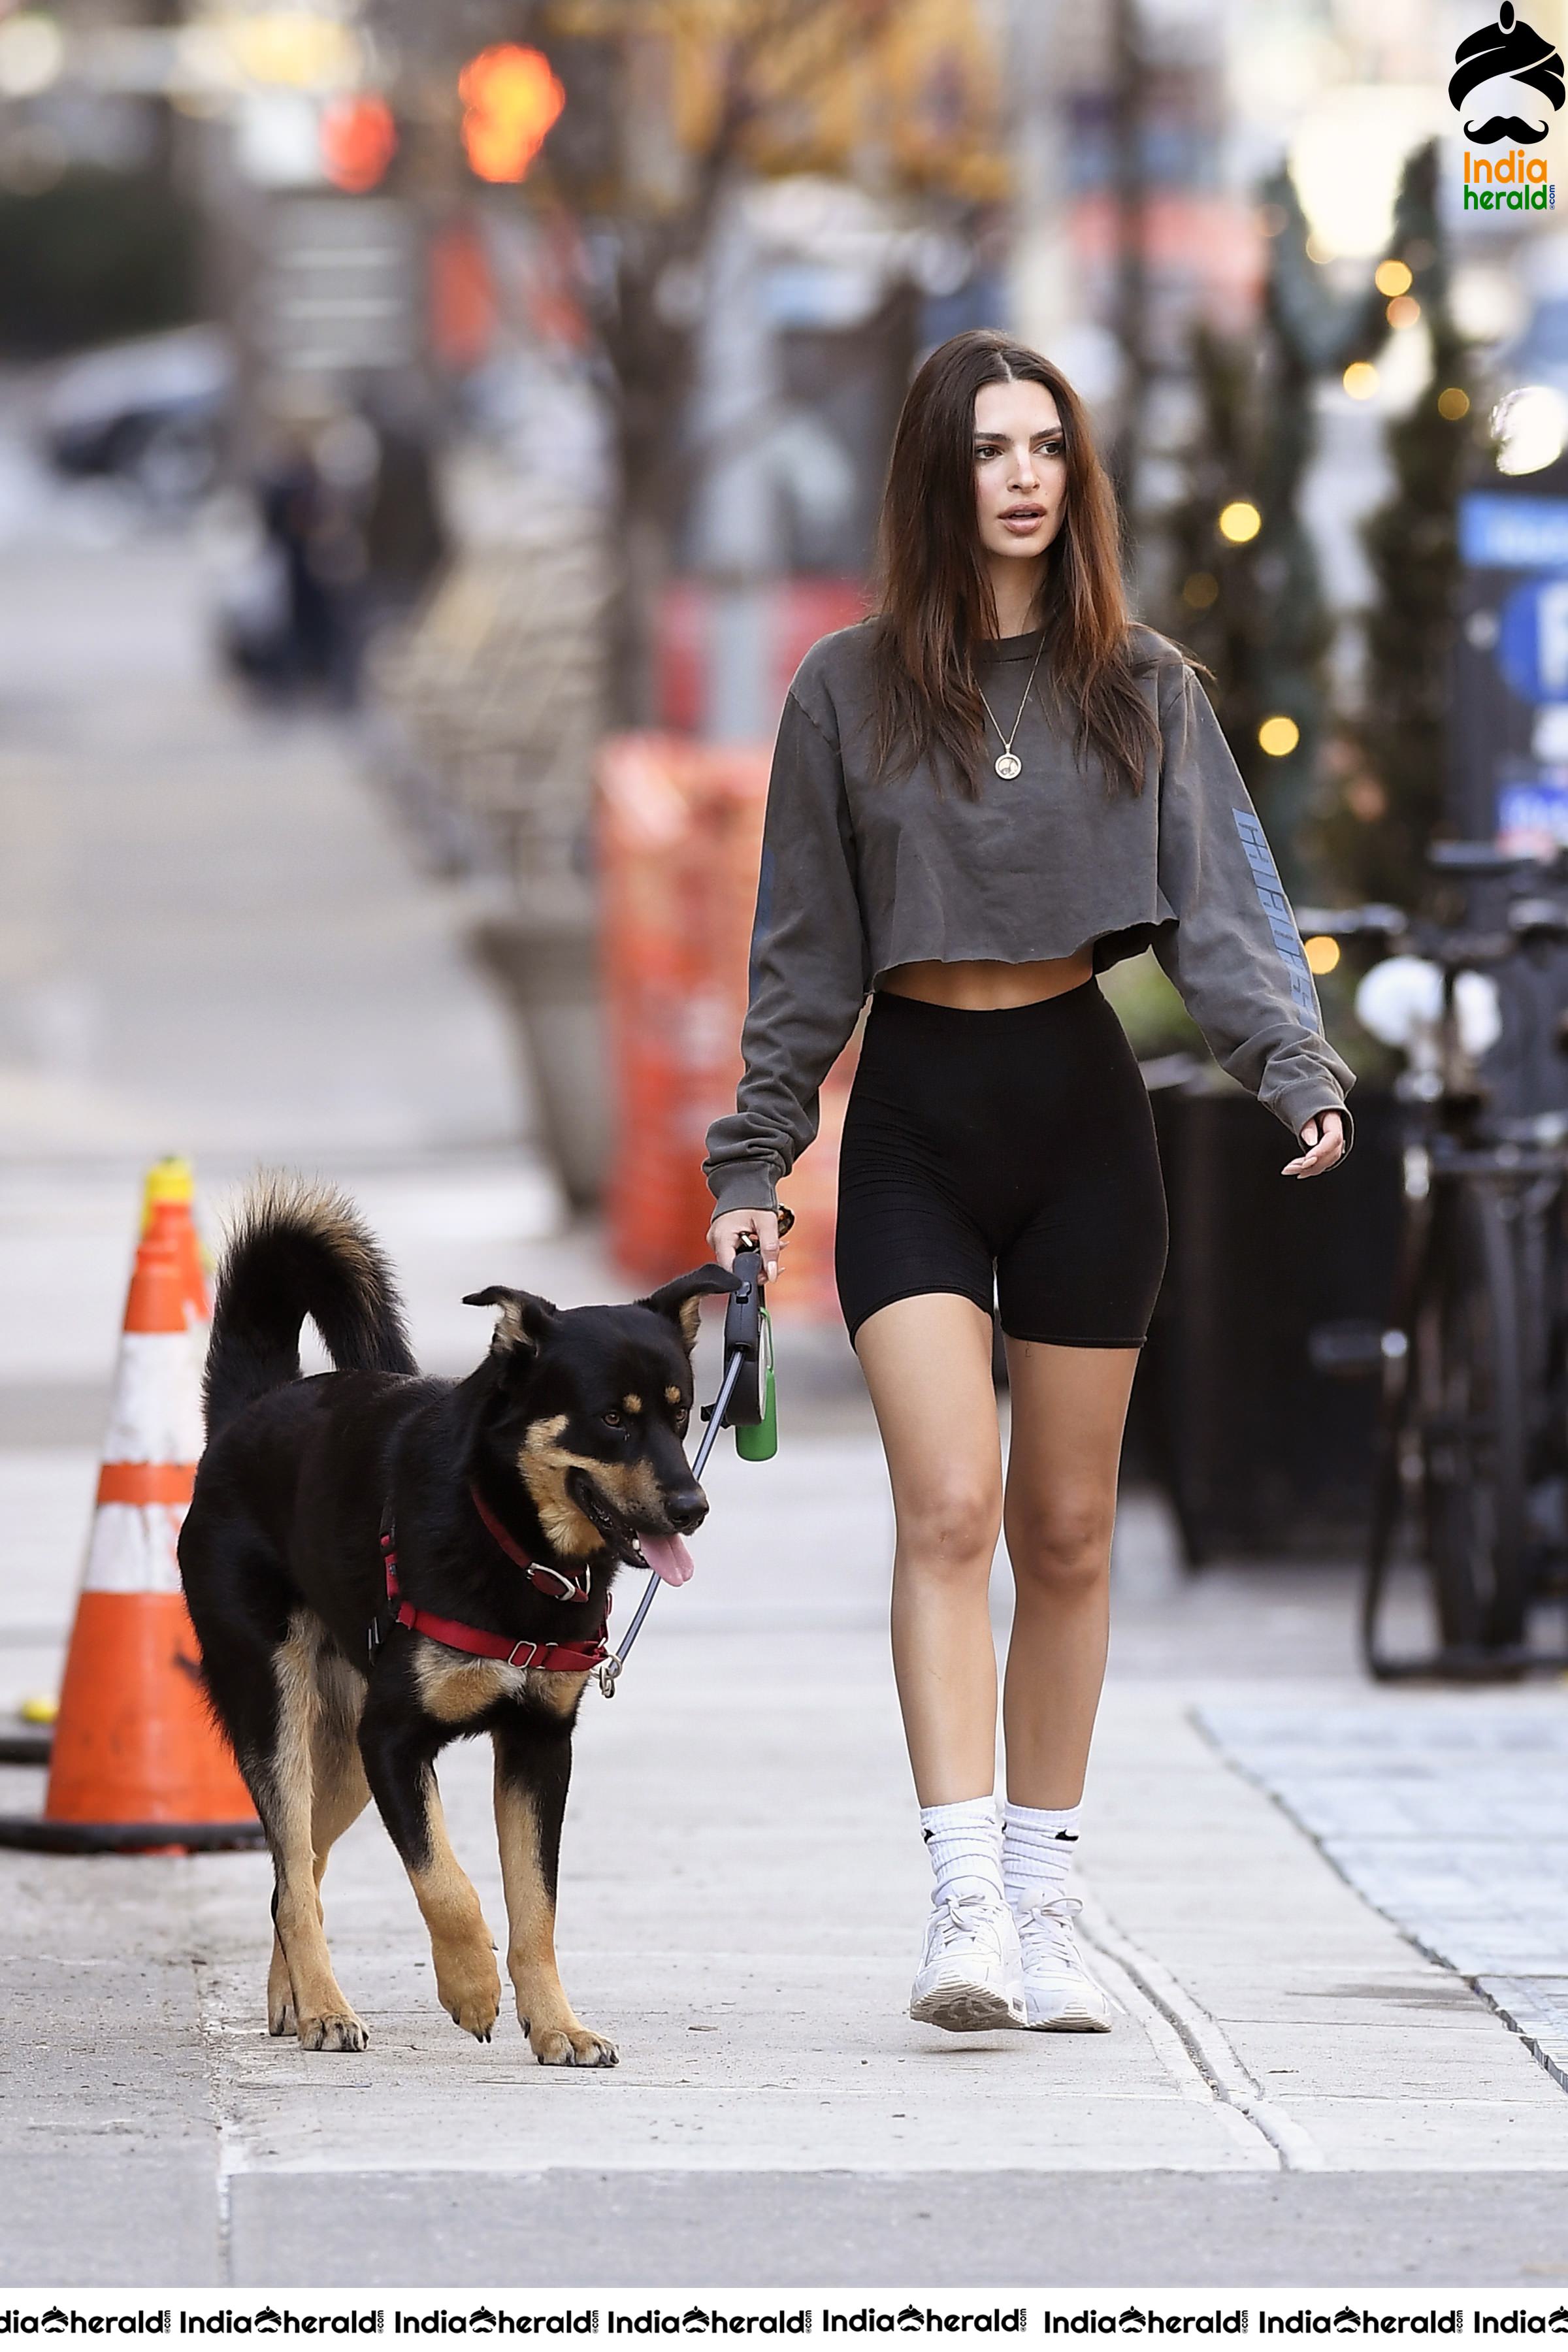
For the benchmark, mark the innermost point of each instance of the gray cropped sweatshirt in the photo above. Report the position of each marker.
(860, 874)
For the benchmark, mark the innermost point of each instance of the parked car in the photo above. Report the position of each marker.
(149, 412)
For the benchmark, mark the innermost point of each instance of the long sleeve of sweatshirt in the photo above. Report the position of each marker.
(809, 969)
(1234, 952)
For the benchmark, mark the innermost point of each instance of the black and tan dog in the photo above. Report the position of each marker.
(378, 1564)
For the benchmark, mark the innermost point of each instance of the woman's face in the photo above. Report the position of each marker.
(1020, 468)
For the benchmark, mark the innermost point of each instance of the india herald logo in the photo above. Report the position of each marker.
(1510, 51)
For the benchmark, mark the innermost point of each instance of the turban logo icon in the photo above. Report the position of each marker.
(1510, 51)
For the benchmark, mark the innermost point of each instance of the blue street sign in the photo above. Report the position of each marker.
(1502, 531)
(1532, 640)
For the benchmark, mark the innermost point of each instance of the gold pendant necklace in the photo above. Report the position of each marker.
(1007, 762)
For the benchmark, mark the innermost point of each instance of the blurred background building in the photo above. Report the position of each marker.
(522, 375)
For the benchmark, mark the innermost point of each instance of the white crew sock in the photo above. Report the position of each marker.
(964, 1842)
(1038, 1848)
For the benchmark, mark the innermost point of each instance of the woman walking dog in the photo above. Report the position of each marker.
(990, 792)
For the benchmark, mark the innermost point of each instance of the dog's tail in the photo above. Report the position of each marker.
(297, 1249)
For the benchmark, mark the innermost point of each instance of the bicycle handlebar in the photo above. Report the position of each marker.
(1535, 917)
(1477, 857)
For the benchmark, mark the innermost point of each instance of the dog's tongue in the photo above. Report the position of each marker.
(668, 1557)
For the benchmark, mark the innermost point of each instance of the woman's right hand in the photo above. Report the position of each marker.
(727, 1234)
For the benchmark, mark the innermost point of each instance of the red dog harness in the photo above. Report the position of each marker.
(553, 1580)
(547, 1657)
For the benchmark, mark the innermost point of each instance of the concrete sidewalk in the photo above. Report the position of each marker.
(1294, 2093)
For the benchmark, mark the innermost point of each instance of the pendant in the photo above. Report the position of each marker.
(1009, 765)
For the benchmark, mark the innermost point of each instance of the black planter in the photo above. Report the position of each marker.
(1264, 1454)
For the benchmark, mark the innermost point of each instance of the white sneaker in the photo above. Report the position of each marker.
(1059, 1994)
(971, 1974)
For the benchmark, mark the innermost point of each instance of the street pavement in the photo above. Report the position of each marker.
(1452, 1818)
(212, 939)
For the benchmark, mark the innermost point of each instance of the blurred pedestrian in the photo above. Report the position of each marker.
(982, 797)
(316, 487)
(404, 531)
(301, 521)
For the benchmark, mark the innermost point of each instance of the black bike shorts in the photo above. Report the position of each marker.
(1007, 1155)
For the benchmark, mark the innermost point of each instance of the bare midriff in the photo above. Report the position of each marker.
(984, 985)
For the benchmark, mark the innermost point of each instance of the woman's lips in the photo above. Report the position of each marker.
(1022, 524)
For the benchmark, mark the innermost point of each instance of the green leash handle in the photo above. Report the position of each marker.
(759, 1441)
(753, 1412)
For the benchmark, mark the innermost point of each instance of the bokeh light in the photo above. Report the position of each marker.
(32, 52)
(1347, 151)
(1360, 380)
(1453, 403)
(510, 98)
(285, 49)
(1278, 736)
(1532, 428)
(1239, 521)
(359, 139)
(1200, 590)
(1322, 953)
(1392, 277)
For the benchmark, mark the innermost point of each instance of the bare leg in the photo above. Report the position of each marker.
(1070, 1406)
(927, 1363)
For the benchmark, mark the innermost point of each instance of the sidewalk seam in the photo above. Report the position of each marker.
(1513, 1998)
(1490, 1985)
(209, 2024)
(1294, 2148)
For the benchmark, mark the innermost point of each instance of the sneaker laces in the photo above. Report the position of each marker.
(967, 1919)
(1044, 1931)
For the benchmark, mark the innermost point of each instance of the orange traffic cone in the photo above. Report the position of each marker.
(137, 1763)
(167, 1196)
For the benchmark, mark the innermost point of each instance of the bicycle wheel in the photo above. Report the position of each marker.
(1468, 1419)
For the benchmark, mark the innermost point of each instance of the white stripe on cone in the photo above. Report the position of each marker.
(157, 1411)
(132, 1549)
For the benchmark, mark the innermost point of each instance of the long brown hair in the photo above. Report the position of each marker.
(935, 604)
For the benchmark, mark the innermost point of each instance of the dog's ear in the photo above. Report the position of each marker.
(522, 1320)
(681, 1299)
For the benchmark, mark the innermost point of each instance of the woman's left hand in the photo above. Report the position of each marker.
(1325, 1140)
